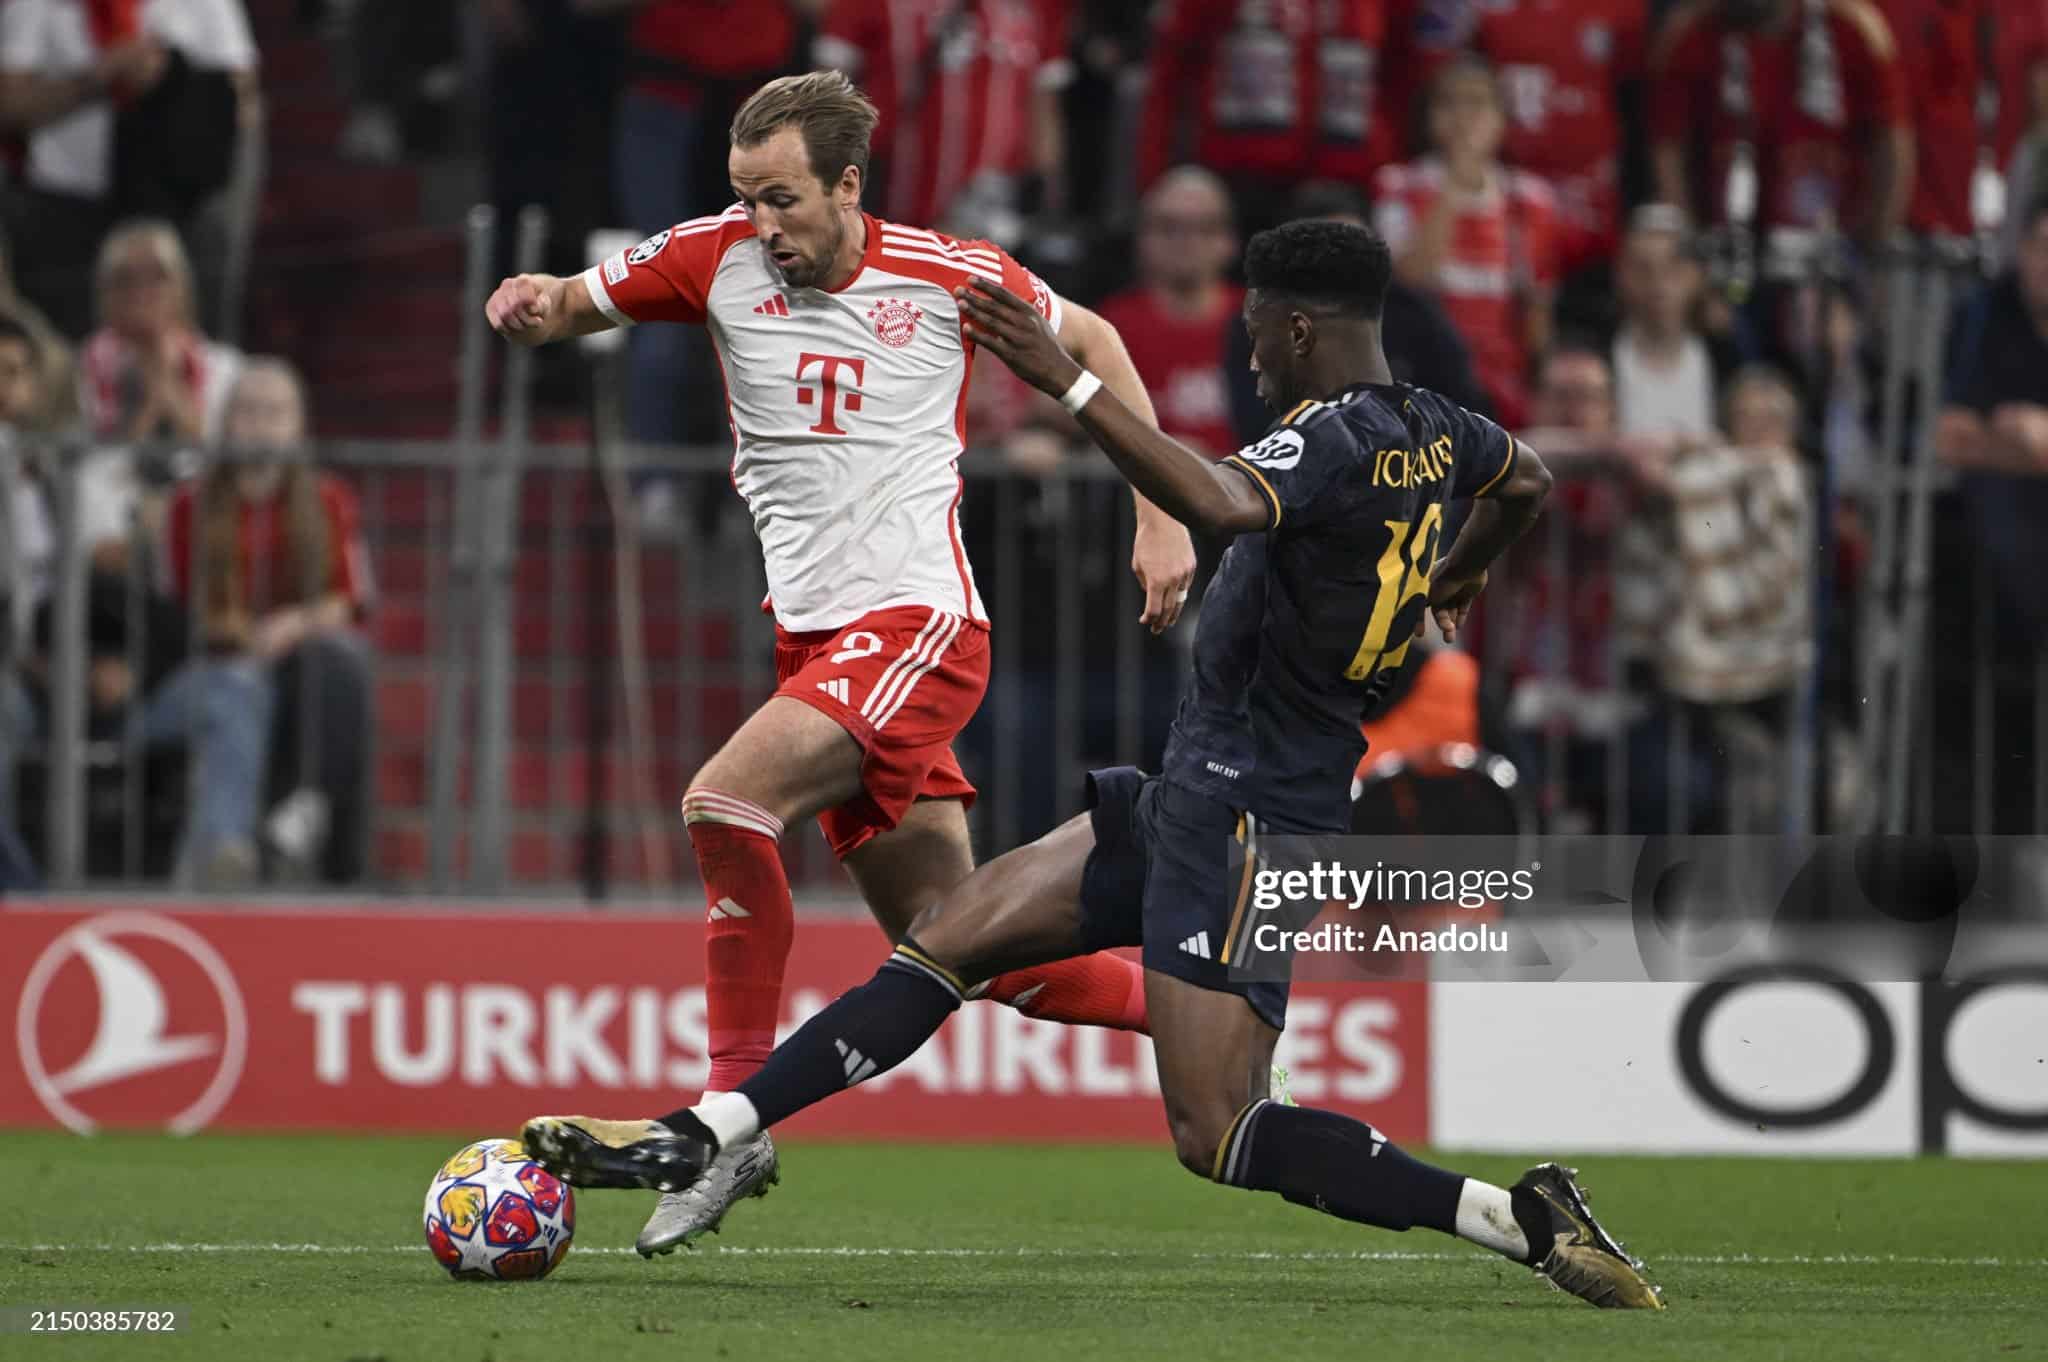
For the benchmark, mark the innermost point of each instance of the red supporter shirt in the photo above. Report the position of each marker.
(269, 565)
(1180, 360)
(1560, 62)
(1942, 64)
(1278, 89)
(954, 81)
(679, 43)
(1500, 249)
(1810, 132)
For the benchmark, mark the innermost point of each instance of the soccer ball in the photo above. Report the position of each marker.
(493, 1214)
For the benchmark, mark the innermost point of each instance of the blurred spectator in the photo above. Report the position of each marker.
(969, 94)
(265, 550)
(553, 67)
(392, 48)
(1552, 626)
(1663, 371)
(30, 538)
(111, 655)
(1561, 71)
(1737, 624)
(1994, 426)
(1482, 237)
(1266, 93)
(57, 387)
(127, 109)
(688, 64)
(1942, 45)
(1813, 87)
(1422, 346)
(1734, 632)
(1173, 322)
(148, 373)
(2022, 72)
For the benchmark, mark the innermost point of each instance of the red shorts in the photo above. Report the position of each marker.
(903, 682)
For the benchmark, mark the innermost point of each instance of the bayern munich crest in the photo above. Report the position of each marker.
(895, 321)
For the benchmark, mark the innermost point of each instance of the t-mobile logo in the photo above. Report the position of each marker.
(829, 368)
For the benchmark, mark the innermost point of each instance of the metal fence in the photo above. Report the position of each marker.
(546, 678)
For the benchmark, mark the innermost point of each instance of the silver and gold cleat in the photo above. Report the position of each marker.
(748, 1169)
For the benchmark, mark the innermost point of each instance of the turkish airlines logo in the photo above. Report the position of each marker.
(135, 1018)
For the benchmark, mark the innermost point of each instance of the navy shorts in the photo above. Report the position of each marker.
(1169, 873)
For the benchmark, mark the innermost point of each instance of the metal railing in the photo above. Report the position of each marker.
(590, 760)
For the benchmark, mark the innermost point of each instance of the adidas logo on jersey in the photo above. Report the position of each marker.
(858, 1066)
(776, 306)
(726, 908)
(1198, 944)
(839, 688)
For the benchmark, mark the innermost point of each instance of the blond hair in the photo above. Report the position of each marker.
(836, 120)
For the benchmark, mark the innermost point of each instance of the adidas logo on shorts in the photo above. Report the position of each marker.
(1198, 944)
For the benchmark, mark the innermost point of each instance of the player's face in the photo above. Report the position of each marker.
(799, 221)
(1278, 334)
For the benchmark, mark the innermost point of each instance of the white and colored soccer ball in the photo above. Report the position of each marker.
(493, 1214)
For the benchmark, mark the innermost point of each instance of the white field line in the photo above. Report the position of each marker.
(1248, 1256)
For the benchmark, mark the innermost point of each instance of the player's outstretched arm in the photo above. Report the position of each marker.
(1162, 555)
(1499, 517)
(1188, 487)
(533, 309)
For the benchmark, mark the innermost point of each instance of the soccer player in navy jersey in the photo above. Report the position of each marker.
(1335, 517)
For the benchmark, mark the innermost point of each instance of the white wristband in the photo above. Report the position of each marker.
(1085, 387)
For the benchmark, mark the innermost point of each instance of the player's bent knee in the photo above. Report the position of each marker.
(1199, 1129)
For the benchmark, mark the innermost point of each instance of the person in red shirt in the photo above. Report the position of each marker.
(1942, 45)
(264, 550)
(1816, 90)
(1276, 91)
(1481, 237)
(1172, 322)
(1561, 64)
(969, 95)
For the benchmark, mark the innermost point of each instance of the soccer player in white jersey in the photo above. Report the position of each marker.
(846, 371)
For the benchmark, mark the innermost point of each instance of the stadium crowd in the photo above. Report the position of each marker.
(1652, 237)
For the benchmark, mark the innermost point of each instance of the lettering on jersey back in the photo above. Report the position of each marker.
(830, 404)
(1405, 468)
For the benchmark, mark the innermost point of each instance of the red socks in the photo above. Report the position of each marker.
(1095, 990)
(752, 924)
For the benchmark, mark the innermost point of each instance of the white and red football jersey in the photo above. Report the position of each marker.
(848, 406)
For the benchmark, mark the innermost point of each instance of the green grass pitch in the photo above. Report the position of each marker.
(287, 1247)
